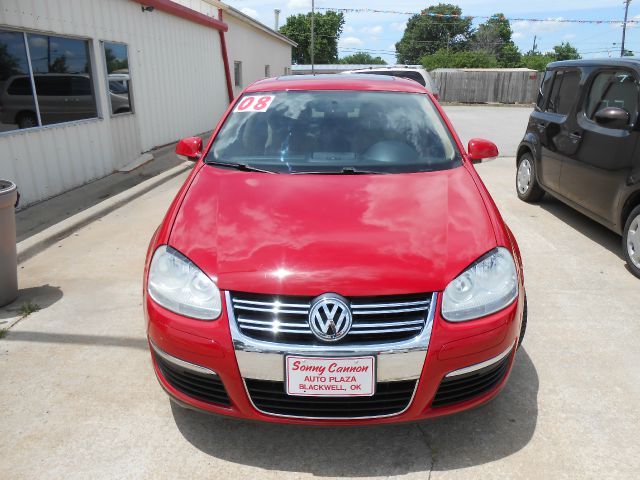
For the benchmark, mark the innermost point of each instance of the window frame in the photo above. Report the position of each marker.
(91, 60)
(237, 78)
(106, 74)
(633, 120)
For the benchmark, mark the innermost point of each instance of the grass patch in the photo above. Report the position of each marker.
(28, 308)
(3, 332)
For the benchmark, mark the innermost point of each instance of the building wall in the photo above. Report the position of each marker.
(255, 49)
(247, 43)
(178, 88)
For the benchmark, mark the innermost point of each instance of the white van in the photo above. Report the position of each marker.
(412, 72)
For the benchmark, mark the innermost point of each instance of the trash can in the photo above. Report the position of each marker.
(8, 256)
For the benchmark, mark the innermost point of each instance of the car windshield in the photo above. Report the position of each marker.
(335, 132)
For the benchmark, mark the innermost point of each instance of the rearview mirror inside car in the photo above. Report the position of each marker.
(612, 117)
(479, 148)
(189, 148)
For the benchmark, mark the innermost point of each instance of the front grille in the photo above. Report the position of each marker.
(205, 387)
(284, 319)
(390, 398)
(466, 387)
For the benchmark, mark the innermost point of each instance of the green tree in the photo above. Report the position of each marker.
(114, 63)
(426, 34)
(328, 27)
(362, 58)
(510, 56)
(9, 64)
(565, 51)
(494, 36)
(627, 53)
(462, 59)
(59, 65)
(537, 61)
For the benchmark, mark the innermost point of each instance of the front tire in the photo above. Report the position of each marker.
(27, 120)
(527, 186)
(631, 241)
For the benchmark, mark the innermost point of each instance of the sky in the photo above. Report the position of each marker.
(377, 33)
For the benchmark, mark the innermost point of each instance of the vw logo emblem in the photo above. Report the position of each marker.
(330, 317)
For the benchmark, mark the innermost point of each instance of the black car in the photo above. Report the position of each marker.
(581, 145)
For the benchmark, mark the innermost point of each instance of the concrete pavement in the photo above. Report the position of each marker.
(79, 398)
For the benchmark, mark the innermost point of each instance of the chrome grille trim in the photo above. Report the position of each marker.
(286, 317)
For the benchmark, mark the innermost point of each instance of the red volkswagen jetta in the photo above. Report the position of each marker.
(333, 258)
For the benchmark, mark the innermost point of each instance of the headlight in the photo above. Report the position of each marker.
(489, 285)
(176, 283)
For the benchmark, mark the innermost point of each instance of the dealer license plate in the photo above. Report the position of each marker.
(330, 377)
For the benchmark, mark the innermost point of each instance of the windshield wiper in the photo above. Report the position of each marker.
(344, 171)
(238, 166)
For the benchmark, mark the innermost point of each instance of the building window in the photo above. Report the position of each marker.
(116, 57)
(59, 68)
(267, 71)
(237, 74)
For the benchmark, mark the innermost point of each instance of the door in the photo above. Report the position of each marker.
(555, 124)
(596, 174)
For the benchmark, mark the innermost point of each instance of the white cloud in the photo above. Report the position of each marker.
(399, 26)
(549, 25)
(372, 30)
(569, 36)
(299, 4)
(517, 35)
(350, 42)
(347, 29)
(250, 12)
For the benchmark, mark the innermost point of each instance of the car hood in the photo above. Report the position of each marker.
(349, 234)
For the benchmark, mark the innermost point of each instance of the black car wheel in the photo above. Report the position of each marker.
(27, 120)
(527, 185)
(631, 241)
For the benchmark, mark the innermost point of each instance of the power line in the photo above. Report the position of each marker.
(483, 17)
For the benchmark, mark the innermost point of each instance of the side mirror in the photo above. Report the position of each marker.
(612, 117)
(479, 149)
(189, 148)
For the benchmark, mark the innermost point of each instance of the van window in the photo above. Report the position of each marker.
(545, 86)
(564, 91)
(613, 89)
(20, 86)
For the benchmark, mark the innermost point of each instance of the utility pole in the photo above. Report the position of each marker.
(624, 25)
(533, 50)
(313, 24)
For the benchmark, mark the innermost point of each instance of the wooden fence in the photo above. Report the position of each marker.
(488, 85)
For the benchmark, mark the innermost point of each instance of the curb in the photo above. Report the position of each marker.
(35, 244)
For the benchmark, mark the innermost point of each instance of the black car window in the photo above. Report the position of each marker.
(613, 89)
(20, 86)
(563, 92)
(53, 86)
(543, 93)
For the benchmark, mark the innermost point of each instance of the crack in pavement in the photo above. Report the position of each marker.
(432, 454)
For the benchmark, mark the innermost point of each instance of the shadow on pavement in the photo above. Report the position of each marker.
(30, 300)
(486, 434)
(583, 224)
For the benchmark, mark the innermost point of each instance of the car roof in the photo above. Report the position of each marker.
(337, 82)
(633, 62)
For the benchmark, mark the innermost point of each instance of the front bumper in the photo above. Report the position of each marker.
(429, 370)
